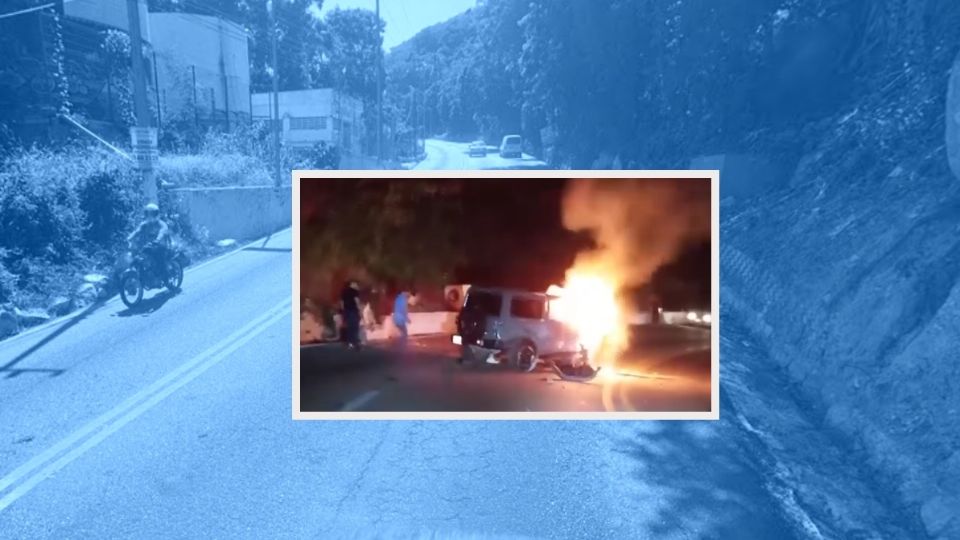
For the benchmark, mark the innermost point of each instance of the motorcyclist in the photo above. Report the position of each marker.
(152, 237)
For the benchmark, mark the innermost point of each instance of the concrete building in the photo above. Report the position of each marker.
(89, 80)
(109, 14)
(312, 116)
(203, 69)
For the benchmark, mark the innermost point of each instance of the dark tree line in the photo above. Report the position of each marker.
(653, 83)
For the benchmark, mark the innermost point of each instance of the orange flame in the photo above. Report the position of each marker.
(588, 303)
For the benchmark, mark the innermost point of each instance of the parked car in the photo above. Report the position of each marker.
(510, 147)
(514, 327)
(477, 149)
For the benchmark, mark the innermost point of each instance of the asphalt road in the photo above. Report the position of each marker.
(666, 369)
(176, 421)
(446, 155)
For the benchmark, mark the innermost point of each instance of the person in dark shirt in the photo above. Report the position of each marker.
(350, 307)
(152, 237)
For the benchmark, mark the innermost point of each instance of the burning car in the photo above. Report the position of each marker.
(517, 328)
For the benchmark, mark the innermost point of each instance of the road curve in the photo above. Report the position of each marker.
(178, 421)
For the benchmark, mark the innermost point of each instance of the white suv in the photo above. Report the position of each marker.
(515, 326)
(511, 147)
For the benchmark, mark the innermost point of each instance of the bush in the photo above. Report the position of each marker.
(40, 213)
(109, 200)
(8, 281)
(61, 214)
(212, 171)
(318, 156)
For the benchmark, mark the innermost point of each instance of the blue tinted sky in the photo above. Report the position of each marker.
(405, 18)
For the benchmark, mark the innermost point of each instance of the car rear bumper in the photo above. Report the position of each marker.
(489, 344)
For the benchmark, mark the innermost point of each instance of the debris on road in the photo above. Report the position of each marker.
(581, 373)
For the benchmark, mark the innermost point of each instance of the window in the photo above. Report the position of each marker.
(309, 122)
(488, 303)
(527, 308)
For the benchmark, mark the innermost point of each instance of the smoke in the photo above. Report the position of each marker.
(636, 224)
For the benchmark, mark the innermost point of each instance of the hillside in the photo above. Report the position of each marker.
(843, 265)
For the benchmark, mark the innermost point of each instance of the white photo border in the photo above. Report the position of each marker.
(712, 175)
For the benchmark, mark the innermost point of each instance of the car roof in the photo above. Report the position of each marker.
(510, 291)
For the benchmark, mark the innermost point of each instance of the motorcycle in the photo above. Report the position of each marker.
(140, 276)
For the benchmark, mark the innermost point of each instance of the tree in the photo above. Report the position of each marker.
(300, 41)
(391, 231)
(354, 42)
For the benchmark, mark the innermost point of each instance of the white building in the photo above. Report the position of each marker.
(312, 116)
(108, 13)
(203, 69)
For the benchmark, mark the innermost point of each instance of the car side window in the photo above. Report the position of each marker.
(527, 308)
(489, 304)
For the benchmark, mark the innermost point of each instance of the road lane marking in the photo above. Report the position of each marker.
(132, 407)
(357, 402)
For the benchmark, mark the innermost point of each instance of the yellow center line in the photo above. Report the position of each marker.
(40, 467)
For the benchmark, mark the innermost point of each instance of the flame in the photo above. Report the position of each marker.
(587, 302)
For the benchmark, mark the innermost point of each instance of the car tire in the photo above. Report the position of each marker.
(524, 357)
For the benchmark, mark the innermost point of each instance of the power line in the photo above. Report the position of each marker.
(27, 10)
(32, 9)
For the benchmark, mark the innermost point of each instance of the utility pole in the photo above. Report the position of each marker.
(276, 94)
(196, 112)
(156, 88)
(379, 90)
(223, 75)
(141, 108)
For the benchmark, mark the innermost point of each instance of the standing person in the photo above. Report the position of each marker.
(368, 322)
(401, 315)
(350, 307)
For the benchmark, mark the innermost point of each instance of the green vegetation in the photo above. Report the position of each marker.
(654, 83)
(379, 230)
(65, 213)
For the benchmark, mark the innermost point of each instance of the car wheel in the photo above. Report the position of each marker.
(524, 357)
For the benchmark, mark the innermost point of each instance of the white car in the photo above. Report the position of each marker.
(510, 147)
(477, 148)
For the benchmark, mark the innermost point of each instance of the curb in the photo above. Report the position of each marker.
(100, 302)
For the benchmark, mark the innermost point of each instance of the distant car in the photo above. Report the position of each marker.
(477, 148)
(514, 327)
(510, 147)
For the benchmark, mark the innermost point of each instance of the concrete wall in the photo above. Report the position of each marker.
(212, 49)
(440, 322)
(112, 13)
(235, 212)
(445, 322)
(421, 324)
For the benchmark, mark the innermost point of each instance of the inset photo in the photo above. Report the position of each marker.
(506, 295)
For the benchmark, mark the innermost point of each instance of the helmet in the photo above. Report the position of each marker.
(151, 210)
